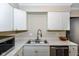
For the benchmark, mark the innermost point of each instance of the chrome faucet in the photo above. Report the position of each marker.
(39, 34)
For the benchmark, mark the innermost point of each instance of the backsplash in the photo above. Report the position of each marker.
(38, 20)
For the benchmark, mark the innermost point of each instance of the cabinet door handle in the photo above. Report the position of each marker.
(36, 51)
(17, 55)
(69, 51)
(73, 48)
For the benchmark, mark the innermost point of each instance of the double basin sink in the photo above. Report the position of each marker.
(37, 42)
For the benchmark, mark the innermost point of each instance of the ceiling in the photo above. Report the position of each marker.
(73, 5)
(44, 4)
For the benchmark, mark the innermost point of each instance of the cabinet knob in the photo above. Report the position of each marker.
(73, 48)
(69, 51)
(17, 55)
(36, 51)
(16, 29)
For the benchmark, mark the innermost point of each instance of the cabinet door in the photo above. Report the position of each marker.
(20, 19)
(73, 50)
(58, 21)
(29, 51)
(19, 53)
(36, 51)
(6, 17)
(43, 51)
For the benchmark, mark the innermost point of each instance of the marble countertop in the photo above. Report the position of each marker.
(20, 43)
(59, 42)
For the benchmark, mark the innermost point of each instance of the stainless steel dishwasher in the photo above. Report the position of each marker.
(59, 51)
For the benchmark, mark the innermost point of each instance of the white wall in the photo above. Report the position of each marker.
(36, 21)
(74, 30)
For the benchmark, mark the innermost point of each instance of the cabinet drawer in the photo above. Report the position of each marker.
(73, 50)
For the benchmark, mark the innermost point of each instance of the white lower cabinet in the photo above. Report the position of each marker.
(35, 50)
(43, 50)
(73, 50)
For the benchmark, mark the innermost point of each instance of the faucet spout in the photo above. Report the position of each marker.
(39, 34)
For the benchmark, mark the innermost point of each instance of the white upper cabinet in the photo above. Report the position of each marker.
(58, 21)
(20, 19)
(6, 17)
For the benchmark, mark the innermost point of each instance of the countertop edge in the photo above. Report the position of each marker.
(16, 49)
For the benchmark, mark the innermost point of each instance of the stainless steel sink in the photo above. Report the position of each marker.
(37, 42)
